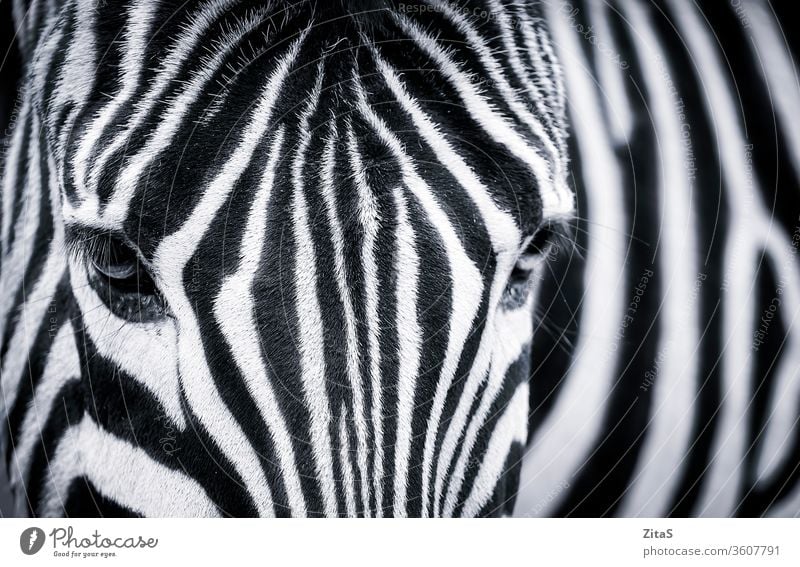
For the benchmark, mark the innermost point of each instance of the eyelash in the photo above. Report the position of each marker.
(118, 275)
(100, 248)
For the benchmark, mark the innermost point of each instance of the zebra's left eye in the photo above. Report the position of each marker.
(521, 279)
(539, 247)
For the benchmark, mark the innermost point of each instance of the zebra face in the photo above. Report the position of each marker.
(303, 246)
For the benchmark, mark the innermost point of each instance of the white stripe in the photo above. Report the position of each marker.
(369, 219)
(674, 398)
(11, 175)
(466, 289)
(348, 481)
(552, 85)
(783, 85)
(140, 15)
(555, 66)
(409, 337)
(539, 85)
(721, 483)
(19, 12)
(77, 77)
(503, 231)
(783, 419)
(477, 375)
(507, 24)
(496, 72)
(775, 57)
(145, 352)
(505, 238)
(128, 179)
(171, 64)
(234, 308)
(571, 428)
(123, 473)
(751, 231)
(353, 367)
(41, 64)
(36, 302)
(17, 259)
(170, 261)
(512, 331)
(557, 200)
(789, 507)
(619, 115)
(309, 319)
(62, 366)
(33, 14)
(510, 428)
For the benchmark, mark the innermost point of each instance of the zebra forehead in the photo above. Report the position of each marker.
(188, 98)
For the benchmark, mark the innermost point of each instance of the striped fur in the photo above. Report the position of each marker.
(667, 393)
(335, 210)
(338, 204)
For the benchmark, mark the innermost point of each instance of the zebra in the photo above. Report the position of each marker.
(674, 388)
(298, 259)
(288, 290)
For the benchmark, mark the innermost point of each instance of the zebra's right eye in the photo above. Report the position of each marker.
(115, 261)
(122, 281)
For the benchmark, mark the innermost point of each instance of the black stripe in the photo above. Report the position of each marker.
(604, 477)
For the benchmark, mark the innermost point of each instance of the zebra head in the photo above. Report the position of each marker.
(302, 242)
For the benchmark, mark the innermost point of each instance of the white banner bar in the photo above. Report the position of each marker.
(528, 542)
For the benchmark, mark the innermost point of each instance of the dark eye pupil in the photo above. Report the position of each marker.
(115, 260)
(121, 279)
(121, 271)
